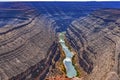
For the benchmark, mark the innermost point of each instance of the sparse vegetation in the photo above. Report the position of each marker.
(62, 56)
(74, 58)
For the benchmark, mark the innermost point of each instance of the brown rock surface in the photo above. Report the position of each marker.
(27, 43)
(96, 38)
(29, 49)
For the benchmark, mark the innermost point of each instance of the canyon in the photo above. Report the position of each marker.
(30, 48)
(96, 39)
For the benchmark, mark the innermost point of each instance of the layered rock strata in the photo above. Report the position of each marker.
(29, 49)
(96, 38)
(27, 44)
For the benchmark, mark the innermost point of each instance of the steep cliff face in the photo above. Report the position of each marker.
(96, 38)
(27, 43)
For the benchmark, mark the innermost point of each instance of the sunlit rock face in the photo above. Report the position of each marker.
(96, 38)
(27, 42)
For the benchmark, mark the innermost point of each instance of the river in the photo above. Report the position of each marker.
(70, 69)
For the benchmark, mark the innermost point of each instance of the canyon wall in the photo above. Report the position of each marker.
(96, 39)
(27, 43)
(29, 46)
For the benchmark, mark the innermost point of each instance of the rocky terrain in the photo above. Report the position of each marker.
(96, 38)
(29, 48)
(27, 43)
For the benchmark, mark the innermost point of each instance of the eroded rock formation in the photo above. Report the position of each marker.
(29, 47)
(27, 43)
(96, 38)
